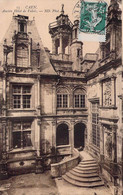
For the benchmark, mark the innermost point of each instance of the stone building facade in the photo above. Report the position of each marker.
(53, 102)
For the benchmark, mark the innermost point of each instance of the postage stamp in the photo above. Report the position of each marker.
(93, 17)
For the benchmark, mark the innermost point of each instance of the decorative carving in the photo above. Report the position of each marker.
(107, 100)
(21, 163)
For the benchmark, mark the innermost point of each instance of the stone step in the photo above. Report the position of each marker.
(86, 166)
(87, 169)
(79, 174)
(82, 184)
(91, 160)
(88, 162)
(84, 180)
(85, 172)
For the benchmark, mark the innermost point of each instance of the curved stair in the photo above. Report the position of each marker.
(84, 175)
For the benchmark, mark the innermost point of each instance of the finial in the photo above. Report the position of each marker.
(113, 2)
(62, 10)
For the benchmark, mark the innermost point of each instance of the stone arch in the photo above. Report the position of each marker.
(79, 134)
(62, 89)
(62, 134)
(81, 88)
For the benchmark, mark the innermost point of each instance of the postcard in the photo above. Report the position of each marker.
(61, 97)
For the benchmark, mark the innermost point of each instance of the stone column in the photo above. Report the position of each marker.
(4, 96)
(69, 42)
(72, 135)
(102, 47)
(37, 96)
(29, 52)
(85, 138)
(38, 129)
(53, 46)
(101, 94)
(113, 37)
(54, 133)
(4, 135)
(61, 44)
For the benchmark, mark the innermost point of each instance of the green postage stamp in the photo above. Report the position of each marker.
(93, 17)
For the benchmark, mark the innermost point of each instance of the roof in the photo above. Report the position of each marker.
(90, 57)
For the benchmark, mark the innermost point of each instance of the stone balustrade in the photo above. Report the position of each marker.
(59, 169)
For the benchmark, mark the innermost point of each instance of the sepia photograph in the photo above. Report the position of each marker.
(61, 97)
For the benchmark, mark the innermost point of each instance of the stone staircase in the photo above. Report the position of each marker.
(84, 175)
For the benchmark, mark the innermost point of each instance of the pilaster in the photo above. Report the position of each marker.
(54, 98)
(114, 143)
(101, 142)
(14, 53)
(54, 133)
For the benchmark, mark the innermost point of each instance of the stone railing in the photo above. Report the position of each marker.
(59, 169)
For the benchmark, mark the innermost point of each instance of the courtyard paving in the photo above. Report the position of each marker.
(43, 184)
(29, 184)
(65, 188)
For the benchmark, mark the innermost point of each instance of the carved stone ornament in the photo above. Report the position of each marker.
(107, 93)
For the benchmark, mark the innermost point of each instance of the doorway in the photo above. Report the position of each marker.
(79, 135)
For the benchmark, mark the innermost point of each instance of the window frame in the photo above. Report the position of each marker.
(19, 102)
(62, 98)
(21, 130)
(79, 98)
(95, 124)
(22, 55)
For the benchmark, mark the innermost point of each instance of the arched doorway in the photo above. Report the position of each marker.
(79, 135)
(62, 135)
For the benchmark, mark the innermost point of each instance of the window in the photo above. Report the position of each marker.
(21, 134)
(79, 99)
(62, 98)
(21, 96)
(21, 27)
(95, 125)
(78, 52)
(22, 56)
